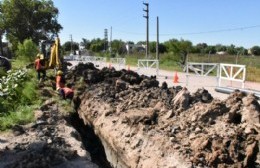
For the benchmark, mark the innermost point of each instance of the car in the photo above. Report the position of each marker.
(5, 63)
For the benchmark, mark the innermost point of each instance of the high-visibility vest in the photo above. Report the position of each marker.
(67, 91)
(59, 82)
(37, 64)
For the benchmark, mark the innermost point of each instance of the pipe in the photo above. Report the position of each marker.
(230, 90)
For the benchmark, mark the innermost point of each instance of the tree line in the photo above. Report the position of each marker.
(172, 45)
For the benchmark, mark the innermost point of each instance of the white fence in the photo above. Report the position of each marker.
(149, 67)
(97, 61)
(229, 72)
(232, 72)
(119, 62)
(201, 69)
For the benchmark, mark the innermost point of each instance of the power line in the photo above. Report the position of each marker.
(197, 33)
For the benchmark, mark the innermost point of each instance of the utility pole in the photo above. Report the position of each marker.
(147, 27)
(71, 45)
(157, 41)
(105, 40)
(110, 44)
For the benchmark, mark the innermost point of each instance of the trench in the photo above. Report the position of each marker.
(91, 141)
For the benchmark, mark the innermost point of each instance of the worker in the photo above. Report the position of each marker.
(60, 81)
(66, 93)
(39, 67)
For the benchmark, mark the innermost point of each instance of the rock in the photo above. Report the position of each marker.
(181, 100)
(251, 152)
(18, 130)
(251, 110)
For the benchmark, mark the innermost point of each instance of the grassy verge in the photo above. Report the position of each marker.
(18, 105)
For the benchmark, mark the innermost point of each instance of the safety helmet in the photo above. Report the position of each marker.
(41, 56)
(59, 72)
(38, 56)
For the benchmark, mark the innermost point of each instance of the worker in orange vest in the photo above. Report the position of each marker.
(60, 81)
(66, 93)
(39, 67)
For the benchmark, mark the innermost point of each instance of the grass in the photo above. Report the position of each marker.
(21, 111)
(22, 115)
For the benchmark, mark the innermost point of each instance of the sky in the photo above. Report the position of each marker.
(199, 21)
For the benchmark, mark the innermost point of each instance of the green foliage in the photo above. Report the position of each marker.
(22, 115)
(118, 46)
(85, 43)
(2, 72)
(68, 47)
(97, 45)
(23, 19)
(255, 50)
(17, 97)
(27, 51)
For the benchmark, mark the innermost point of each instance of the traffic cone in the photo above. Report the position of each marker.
(128, 68)
(176, 78)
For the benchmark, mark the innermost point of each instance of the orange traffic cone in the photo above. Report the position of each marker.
(176, 78)
(128, 68)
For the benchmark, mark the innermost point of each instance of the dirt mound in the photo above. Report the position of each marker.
(152, 126)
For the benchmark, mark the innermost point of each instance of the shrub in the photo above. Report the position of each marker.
(27, 51)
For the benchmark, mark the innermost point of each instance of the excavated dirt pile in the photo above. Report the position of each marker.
(144, 125)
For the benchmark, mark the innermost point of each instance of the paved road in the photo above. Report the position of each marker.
(192, 82)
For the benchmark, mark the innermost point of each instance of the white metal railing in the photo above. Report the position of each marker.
(148, 65)
(97, 61)
(232, 72)
(119, 62)
(201, 69)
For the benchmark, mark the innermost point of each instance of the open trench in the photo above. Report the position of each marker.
(91, 141)
(127, 120)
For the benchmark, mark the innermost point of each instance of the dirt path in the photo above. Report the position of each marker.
(51, 141)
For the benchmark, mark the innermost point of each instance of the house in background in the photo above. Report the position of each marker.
(130, 48)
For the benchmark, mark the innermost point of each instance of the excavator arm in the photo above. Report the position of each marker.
(55, 60)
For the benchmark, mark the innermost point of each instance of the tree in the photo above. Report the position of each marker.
(97, 45)
(180, 48)
(27, 50)
(118, 46)
(85, 43)
(152, 46)
(255, 50)
(231, 50)
(68, 47)
(24, 19)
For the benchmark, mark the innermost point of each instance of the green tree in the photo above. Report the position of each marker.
(85, 43)
(210, 50)
(231, 50)
(68, 47)
(24, 19)
(27, 50)
(97, 45)
(118, 46)
(180, 48)
(255, 50)
(152, 46)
